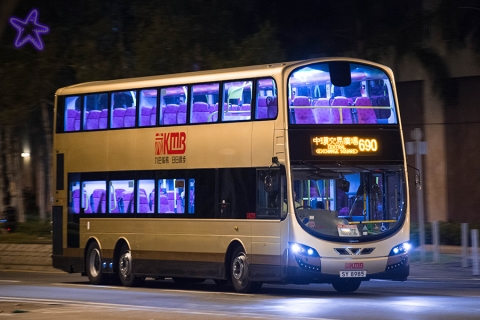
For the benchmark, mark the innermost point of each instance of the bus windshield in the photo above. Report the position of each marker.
(340, 93)
(350, 204)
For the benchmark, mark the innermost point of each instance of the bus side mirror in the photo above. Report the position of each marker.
(343, 184)
(418, 183)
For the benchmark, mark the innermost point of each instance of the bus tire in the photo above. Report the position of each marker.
(346, 285)
(240, 273)
(125, 268)
(94, 265)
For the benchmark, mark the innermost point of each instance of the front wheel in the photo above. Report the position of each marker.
(125, 273)
(94, 265)
(346, 285)
(240, 273)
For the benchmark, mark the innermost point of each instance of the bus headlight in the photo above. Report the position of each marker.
(401, 248)
(303, 250)
(306, 257)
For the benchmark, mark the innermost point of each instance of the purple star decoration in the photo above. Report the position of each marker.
(29, 30)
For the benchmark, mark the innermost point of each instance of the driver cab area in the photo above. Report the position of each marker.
(348, 202)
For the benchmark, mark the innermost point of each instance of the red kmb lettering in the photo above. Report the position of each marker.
(356, 265)
(170, 143)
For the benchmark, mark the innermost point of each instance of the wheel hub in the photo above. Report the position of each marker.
(125, 265)
(239, 267)
(95, 262)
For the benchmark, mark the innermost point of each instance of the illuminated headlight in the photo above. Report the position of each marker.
(303, 250)
(401, 248)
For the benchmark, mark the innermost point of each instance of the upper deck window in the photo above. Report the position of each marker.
(95, 111)
(326, 93)
(123, 109)
(237, 98)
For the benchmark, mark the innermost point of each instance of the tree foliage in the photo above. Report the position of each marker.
(101, 40)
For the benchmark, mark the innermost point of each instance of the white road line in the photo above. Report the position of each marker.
(76, 305)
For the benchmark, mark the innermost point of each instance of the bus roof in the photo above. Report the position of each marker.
(244, 72)
(176, 78)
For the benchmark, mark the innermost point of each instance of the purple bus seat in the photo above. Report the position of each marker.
(365, 115)
(272, 105)
(314, 192)
(153, 117)
(116, 204)
(93, 118)
(172, 201)
(303, 115)
(76, 200)
(164, 206)
(262, 109)
(117, 117)
(99, 201)
(143, 205)
(145, 116)
(170, 114)
(383, 101)
(103, 119)
(182, 114)
(128, 202)
(301, 101)
(129, 118)
(151, 199)
(70, 123)
(346, 112)
(322, 115)
(200, 113)
(77, 121)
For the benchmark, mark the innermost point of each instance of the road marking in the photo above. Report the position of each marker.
(79, 306)
(10, 281)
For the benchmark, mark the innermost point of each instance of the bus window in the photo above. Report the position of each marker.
(266, 103)
(74, 191)
(148, 108)
(316, 99)
(269, 194)
(171, 196)
(121, 196)
(191, 196)
(204, 103)
(94, 198)
(173, 107)
(122, 109)
(145, 196)
(237, 98)
(72, 113)
(95, 111)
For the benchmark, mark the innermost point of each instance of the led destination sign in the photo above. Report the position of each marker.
(344, 146)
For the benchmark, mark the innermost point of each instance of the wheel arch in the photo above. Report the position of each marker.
(234, 244)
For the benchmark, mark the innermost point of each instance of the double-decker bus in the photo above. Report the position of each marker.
(284, 173)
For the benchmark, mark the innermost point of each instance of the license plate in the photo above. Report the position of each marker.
(353, 274)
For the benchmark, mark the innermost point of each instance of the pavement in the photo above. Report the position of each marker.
(37, 257)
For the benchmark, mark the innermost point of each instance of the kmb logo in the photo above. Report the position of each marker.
(356, 265)
(170, 143)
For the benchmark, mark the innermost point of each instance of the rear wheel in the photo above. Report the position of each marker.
(346, 285)
(94, 265)
(240, 273)
(125, 272)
